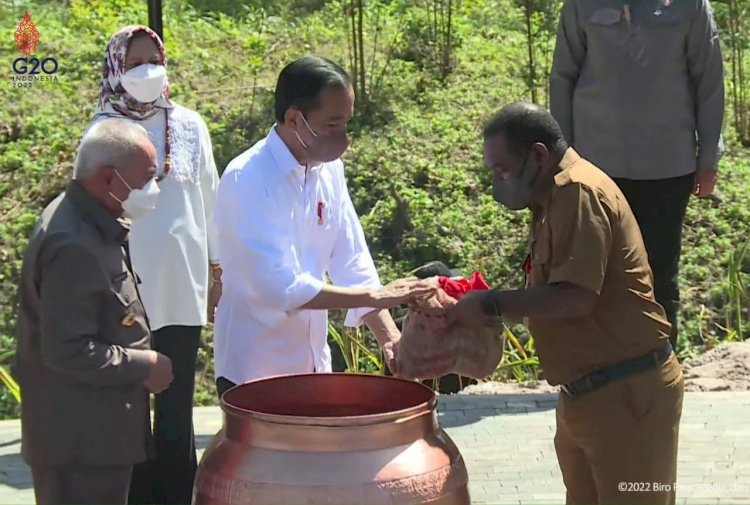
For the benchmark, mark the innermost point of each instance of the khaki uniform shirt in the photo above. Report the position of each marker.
(586, 235)
(83, 340)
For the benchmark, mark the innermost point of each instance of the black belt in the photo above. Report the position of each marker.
(597, 379)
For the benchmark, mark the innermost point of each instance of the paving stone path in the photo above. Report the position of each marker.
(506, 441)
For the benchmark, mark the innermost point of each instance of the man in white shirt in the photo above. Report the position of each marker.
(285, 220)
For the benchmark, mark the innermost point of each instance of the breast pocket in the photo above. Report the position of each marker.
(606, 16)
(609, 32)
(124, 290)
(326, 227)
(127, 312)
(665, 33)
(541, 254)
(664, 18)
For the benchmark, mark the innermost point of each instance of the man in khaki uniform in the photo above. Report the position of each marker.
(84, 358)
(589, 303)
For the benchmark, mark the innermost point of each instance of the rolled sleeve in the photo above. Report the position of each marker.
(257, 247)
(581, 238)
(351, 262)
(706, 72)
(354, 317)
(70, 308)
(303, 288)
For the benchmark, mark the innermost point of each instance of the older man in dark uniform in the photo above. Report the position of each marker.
(84, 358)
(589, 303)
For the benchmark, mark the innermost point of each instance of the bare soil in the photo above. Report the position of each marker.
(724, 368)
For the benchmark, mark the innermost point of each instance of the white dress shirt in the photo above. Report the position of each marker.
(171, 246)
(281, 229)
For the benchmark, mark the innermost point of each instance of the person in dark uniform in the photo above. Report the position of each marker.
(589, 304)
(84, 356)
(638, 89)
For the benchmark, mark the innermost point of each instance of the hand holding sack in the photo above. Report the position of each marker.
(429, 349)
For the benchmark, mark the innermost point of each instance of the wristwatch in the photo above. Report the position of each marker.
(216, 273)
(489, 304)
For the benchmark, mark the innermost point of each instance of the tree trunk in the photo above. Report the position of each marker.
(530, 45)
(448, 50)
(360, 44)
(355, 52)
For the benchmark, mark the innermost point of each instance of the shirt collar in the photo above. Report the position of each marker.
(566, 163)
(285, 160)
(569, 159)
(112, 228)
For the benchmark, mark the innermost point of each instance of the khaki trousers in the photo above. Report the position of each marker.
(618, 444)
(81, 485)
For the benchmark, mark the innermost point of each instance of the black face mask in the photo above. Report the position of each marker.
(324, 148)
(517, 191)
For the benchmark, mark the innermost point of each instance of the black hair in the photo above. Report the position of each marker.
(433, 268)
(523, 125)
(301, 82)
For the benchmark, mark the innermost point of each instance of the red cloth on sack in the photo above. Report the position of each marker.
(459, 287)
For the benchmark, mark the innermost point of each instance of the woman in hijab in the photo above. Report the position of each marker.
(173, 248)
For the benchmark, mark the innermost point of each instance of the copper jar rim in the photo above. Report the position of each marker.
(424, 399)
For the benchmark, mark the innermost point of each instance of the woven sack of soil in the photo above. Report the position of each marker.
(429, 349)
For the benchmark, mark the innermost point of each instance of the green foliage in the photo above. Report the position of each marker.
(10, 384)
(519, 361)
(732, 16)
(737, 288)
(10, 392)
(357, 351)
(241, 8)
(415, 168)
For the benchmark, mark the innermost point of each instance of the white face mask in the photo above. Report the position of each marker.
(145, 82)
(139, 201)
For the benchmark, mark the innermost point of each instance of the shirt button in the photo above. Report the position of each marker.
(126, 298)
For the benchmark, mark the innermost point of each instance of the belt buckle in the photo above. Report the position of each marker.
(567, 390)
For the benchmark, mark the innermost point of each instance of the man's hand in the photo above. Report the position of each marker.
(390, 352)
(401, 292)
(704, 183)
(214, 296)
(469, 312)
(160, 376)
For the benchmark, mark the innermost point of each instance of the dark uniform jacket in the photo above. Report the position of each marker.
(84, 340)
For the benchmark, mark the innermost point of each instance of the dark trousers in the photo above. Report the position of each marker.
(659, 207)
(168, 479)
(222, 385)
(73, 485)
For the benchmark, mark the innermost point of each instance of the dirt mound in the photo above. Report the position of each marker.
(509, 388)
(724, 368)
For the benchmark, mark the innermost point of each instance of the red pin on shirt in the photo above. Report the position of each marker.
(527, 264)
(320, 212)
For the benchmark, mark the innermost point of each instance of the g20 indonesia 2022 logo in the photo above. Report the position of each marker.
(27, 69)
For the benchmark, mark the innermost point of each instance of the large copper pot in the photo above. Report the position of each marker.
(338, 439)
